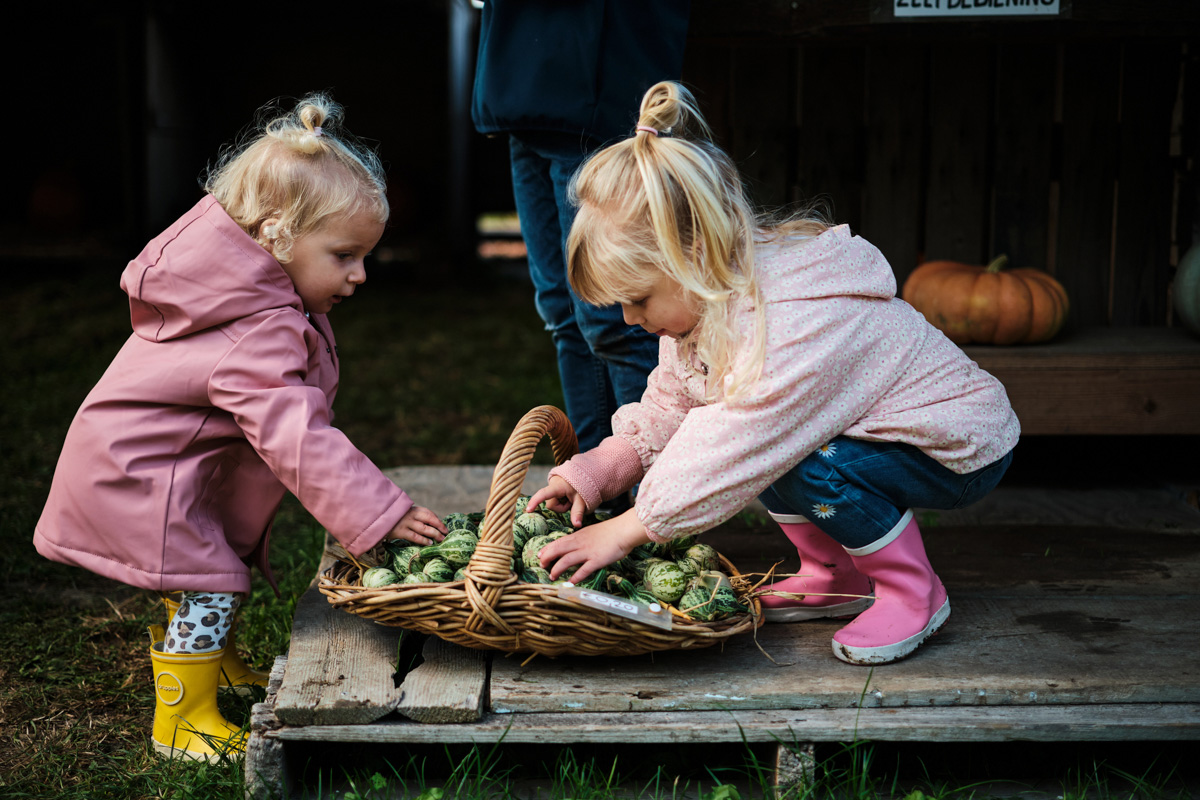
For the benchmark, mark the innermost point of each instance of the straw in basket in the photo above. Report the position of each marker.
(492, 610)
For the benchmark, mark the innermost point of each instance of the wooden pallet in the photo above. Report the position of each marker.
(1059, 633)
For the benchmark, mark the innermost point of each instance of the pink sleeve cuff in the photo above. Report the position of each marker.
(602, 473)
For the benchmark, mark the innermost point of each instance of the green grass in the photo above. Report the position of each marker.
(433, 373)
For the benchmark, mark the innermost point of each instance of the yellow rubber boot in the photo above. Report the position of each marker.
(236, 674)
(187, 722)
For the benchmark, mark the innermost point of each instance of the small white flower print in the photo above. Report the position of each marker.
(827, 450)
(824, 511)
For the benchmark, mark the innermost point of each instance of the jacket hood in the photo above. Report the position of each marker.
(836, 263)
(202, 272)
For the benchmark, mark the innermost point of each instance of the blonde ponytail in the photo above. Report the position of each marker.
(669, 200)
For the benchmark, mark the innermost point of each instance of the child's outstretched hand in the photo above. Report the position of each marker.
(419, 526)
(560, 496)
(595, 546)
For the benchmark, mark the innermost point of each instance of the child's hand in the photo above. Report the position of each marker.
(419, 526)
(595, 546)
(560, 496)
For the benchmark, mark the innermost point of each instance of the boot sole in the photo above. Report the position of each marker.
(885, 654)
(167, 751)
(802, 613)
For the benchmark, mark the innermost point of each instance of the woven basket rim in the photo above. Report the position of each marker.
(475, 612)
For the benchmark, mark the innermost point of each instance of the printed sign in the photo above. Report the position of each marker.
(654, 615)
(972, 9)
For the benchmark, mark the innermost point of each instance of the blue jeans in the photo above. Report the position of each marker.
(603, 363)
(856, 491)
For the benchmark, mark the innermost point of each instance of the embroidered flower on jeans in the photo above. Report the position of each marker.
(827, 450)
(824, 510)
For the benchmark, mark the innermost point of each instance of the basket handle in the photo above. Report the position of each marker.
(490, 568)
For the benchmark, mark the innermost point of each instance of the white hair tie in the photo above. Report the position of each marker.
(665, 134)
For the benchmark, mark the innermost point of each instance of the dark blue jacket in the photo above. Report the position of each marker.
(574, 66)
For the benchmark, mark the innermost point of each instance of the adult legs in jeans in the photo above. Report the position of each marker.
(602, 362)
(861, 494)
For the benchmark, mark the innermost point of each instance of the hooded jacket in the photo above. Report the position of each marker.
(176, 463)
(844, 356)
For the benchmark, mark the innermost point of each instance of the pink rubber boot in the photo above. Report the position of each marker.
(825, 569)
(910, 601)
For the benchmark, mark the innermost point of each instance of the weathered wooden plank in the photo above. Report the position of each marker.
(1023, 650)
(829, 160)
(1089, 542)
(1052, 561)
(1090, 99)
(1093, 723)
(266, 765)
(340, 667)
(1026, 78)
(1105, 402)
(1098, 348)
(892, 198)
(449, 686)
(1102, 381)
(958, 200)
(708, 71)
(758, 19)
(1141, 257)
(763, 140)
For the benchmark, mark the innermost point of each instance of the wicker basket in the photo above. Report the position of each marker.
(492, 610)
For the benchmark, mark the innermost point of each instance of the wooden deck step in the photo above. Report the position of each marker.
(1102, 380)
(1074, 632)
(1118, 722)
(1020, 651)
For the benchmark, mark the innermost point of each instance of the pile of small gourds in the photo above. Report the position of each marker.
(681, 573)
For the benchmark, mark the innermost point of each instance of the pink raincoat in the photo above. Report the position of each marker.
(176, 463)
(844, 356)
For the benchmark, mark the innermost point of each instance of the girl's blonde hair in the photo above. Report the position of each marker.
(301, 168)
(668, 200)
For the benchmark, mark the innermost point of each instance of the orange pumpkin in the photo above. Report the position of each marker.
(986, 305)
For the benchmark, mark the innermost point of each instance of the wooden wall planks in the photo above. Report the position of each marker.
(1058, 153)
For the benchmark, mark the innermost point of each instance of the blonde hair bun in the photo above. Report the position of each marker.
(301, 168)
(672, 112)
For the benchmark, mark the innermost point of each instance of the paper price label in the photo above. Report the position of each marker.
(654, 615)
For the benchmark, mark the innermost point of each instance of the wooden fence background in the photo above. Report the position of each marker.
(1067, 147)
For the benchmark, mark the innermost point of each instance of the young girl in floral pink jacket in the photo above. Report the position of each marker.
(221, 400)
(788, 370)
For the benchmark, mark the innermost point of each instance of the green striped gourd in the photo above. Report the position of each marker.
(375, 577)
(535, 575)
(403, 558)
(436, 570)
(525, 527)
(698, 558)
(697, 602)
(725, 599)
(665, 580)
(455, 549)
(623, 587)
(641, 565)
(459, 521)
(529, 554)
(596, 581)
(557, 525)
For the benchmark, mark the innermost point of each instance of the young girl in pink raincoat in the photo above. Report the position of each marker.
(221, 401)
(788, 370)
